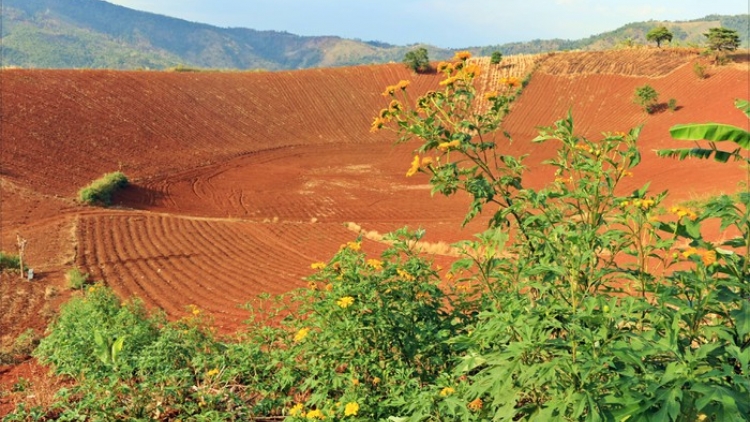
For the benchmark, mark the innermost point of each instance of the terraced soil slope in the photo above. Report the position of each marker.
(241, 180)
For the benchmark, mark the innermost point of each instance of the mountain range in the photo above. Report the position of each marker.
(97, 34)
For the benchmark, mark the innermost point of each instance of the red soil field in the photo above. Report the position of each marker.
(240, 180)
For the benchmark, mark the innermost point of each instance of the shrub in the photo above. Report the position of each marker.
(76, 279)
(100, 190)
(699, 70)
(646, 97)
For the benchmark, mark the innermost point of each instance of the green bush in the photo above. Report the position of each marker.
(100, 190)
(646, 97)
(496, 57)
(672, 104)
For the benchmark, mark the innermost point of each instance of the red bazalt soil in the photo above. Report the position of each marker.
(242, 179)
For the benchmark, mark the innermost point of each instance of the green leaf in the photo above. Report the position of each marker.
(711, 132)
(744, 106)
(742, 319)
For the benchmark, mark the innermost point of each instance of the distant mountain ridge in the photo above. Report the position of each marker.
(97, 34)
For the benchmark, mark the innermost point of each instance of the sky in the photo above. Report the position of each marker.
(442, 23)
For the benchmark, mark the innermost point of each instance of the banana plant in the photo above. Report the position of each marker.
(712, 132)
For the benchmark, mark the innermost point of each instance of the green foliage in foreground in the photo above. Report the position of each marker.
(578, 303)
(100, 190)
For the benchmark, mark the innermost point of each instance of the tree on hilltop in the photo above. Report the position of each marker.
(722, 39)
(417, 60)
(659, 34)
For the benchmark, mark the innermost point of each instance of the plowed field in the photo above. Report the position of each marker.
(241, 180)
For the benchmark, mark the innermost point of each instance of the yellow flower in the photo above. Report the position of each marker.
(390, 90)
(351, 409)
(687, 253)
(312, 285)
(195, 310)
(297, 409)
(377, 124)
(472, 70)
(490, 96)
(475, 404)
(329, 287)
(376, 381)
(345, 301)
(426, 161)
(447, 391)
(510, 82)
(403, 84)
(375, 263)
(355, 246)
(449, 81)
(462, 55)
(414, 167)
(627, 173)
(315, 414)
(444, 67)
(709, 257)
(212, 372)
(301, 334)
(355, 382)
(318, 265)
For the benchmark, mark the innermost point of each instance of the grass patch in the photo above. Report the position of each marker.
(10, 262)
(100, 191)
(76, 279)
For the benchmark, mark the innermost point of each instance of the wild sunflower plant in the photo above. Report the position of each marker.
(594, 304)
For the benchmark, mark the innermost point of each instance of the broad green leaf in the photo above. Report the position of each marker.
(744, 106)
(711, 132)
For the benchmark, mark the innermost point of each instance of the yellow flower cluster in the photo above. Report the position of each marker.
(355, 246)
(444, 67)
(318, 265)
(345, 302)
(683, 212)
(212, 372)
(644, 204)
(351, 409)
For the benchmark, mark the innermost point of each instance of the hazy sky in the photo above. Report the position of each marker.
(444, 23)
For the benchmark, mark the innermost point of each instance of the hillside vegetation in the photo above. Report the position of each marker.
(97, 34)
